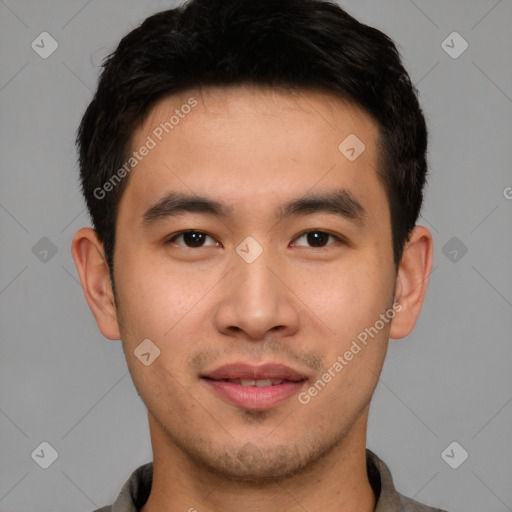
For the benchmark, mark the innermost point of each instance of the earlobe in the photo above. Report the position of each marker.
(412, 281)
(89, 258)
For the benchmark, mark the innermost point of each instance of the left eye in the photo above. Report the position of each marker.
(317, 238)
(192, 239)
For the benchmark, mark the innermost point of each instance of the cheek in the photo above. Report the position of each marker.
(355, 345)
(345, 297)
(157, 299)
(155, 305)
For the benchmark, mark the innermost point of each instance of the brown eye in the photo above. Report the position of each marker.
(191, 239)
(317, 238)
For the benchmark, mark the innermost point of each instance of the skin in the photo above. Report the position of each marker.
(298, 303)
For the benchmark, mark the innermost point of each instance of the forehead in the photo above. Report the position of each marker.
(252, 111)
(253, 144)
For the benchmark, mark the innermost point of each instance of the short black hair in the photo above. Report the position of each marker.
(290, 44)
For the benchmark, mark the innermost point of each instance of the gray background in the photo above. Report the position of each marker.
(63, 383)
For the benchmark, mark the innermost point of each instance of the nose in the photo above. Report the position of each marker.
(256, 300)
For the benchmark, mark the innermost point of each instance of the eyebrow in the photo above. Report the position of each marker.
(340, 202)
(178, 203)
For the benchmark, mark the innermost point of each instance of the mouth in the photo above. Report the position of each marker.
(259, 383)
(254, 387)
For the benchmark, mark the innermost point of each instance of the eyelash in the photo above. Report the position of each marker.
(305, 233)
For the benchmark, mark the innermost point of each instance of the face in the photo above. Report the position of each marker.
(255, 254)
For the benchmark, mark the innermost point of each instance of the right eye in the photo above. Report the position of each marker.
(192, 239)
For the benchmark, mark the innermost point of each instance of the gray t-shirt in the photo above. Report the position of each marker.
(135, 491)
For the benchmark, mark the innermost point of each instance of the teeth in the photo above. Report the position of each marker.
(259, 383)
(263, 383)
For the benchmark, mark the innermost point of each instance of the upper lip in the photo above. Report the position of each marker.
(262, 371)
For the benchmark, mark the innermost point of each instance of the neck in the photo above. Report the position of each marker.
(339, 481)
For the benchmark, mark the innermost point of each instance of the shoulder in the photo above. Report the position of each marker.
(410, 505)
(134, 492)
(388, 497)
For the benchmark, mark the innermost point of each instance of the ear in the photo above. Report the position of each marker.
(412, 281)
(91, 264)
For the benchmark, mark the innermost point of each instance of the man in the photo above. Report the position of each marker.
(254, 173)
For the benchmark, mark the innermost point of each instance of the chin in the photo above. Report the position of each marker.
(259, 465)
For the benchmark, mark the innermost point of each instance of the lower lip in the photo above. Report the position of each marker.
(253, 397)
